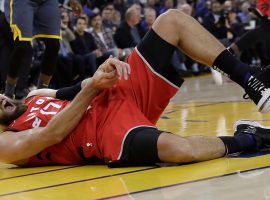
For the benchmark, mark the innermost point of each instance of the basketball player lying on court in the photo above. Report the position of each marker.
(111, 116)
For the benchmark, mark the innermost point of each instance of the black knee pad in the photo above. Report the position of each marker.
(140, 147)
(50, 56)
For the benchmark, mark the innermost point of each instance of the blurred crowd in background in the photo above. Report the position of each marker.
(92, 30)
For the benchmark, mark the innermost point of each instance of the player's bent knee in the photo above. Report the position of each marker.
(175, 149)
(172, 17)
(173, 22)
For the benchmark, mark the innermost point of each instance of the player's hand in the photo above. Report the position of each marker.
(110, 72)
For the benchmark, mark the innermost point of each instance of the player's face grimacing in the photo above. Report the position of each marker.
(10, 109)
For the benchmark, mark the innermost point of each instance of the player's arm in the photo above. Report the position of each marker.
(67, 93)
(17, 146)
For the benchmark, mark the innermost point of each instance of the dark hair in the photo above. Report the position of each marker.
(93, 16)
(83, 18)
(105, 7)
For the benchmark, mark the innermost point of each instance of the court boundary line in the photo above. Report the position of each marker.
(46, 171)
(183, 183)
(77, 181)
(202, 104)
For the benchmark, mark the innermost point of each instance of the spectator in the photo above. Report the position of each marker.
(110, 17)
(228, 6)
(201, 9)
(153, 4)
(215, 21)
(104, 39)
(121, 6)
(168, 4)
(69, 64)
(84, 44)
(129, 33)
(245, 15)
(236, 27)
(150, 16)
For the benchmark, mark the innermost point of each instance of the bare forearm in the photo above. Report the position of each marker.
(64, 122)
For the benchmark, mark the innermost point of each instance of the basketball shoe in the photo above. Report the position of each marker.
(258, 88)
(260, 133)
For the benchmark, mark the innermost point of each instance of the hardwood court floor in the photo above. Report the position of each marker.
(200, 108)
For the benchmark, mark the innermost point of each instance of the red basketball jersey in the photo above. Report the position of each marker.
(70, 151)
(114, 113)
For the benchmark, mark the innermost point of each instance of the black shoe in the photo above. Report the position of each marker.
(259, 93)
(260, 133)
(262, 73)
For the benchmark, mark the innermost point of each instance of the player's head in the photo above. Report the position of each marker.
(10, 110)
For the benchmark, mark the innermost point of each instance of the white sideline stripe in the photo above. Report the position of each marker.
(123, 142)
(149, 66)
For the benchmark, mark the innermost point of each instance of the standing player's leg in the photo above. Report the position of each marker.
(6, 43)
(49, 62)
(47, 26)
(187, 34)
(19, 14)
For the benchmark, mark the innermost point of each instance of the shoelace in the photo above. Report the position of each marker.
(255, 84)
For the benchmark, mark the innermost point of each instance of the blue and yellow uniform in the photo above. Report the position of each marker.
(31, 19)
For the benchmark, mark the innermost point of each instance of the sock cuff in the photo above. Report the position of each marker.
(225, 62)
(231, 51)
(231, 145)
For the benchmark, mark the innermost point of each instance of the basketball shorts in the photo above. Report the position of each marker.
(137, 103)
(31, 19)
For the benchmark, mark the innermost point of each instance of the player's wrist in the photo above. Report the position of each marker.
(92, 85)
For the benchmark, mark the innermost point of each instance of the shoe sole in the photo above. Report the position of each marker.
(250, 123)
(264, 103)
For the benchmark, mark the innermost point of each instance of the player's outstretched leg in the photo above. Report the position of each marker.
(149, 146)
(187, 34)
(176, 149)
